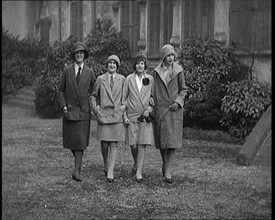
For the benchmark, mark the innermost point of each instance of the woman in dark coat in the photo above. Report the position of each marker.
(169, 94)
(75, 88)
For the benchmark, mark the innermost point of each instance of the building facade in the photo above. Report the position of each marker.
(149, 24)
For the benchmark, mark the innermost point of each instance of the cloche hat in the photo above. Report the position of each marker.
(115, 58)
(166, 50)
(77, 47)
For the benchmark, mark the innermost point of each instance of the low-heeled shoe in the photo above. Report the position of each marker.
(110, 180)
(168, 180)
(76, 178)
(139, 180)
(134, 171)
(163, 172)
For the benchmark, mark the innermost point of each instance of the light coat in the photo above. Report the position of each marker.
(168, 124)
(110, 125)
(136, 102)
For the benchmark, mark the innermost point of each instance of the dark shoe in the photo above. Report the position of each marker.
(77, 179)
(110, 180)
(168, 180)
(134, 171)
(139, 180)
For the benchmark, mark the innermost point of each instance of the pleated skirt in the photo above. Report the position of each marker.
(76, 134)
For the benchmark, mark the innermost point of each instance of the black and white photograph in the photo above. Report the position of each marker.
(136, 109)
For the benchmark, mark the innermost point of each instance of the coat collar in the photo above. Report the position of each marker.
(176, 69)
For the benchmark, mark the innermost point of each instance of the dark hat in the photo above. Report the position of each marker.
(115, 58)
(78, 47)
(138, 59)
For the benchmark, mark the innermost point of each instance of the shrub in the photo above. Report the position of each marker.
(243, 105)
(22, 61)
(208, 67)
(46, 95)
(103, 41)
(46, 91)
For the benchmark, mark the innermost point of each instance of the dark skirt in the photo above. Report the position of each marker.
(76, 134)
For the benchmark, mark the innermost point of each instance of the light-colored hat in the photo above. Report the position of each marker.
(166, 50)
(115, 58)
(78, 46)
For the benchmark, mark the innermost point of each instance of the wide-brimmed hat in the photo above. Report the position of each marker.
(167, 50)
(79, 46)
(115, 58)
(138, 59)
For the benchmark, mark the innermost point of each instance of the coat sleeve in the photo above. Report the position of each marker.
(125, 92)
(182, 89)
(95, 97)
(62, 89)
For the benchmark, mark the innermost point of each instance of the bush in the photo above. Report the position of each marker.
(46, 95)
(103, 41)
(22, 61)
(46, 91)
(243, 105)
(208, 67)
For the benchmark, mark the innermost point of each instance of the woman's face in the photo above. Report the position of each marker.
(168, 61)
(79, 56)
(112, 67)
(140, 67)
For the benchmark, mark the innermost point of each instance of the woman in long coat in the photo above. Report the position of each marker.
(169, 94)
(75, 88)
(137, 95)
(107, 105)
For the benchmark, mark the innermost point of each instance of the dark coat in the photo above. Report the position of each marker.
(168, 125)
(76, 97)
(76, 123)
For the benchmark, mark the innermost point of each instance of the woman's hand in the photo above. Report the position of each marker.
(146, 113)
(98, 113)
(174, 107)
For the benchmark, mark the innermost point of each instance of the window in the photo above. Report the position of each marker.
(130, 24)
(253, 16)
(76, 28)
(160, 23)
(198, 19)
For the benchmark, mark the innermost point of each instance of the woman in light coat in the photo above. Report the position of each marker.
(137, 97)
(106, 103)
(75, 87)
(169, 94)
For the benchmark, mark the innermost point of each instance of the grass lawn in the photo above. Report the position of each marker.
(37, 184)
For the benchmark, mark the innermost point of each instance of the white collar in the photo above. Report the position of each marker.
(76, 66)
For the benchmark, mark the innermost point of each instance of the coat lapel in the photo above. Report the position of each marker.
(106, 84)
(73, 79)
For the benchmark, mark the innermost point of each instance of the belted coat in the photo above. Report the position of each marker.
(168, 126)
